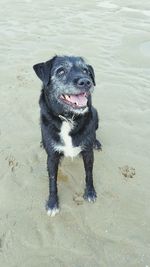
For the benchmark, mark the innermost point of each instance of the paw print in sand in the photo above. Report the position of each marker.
(78, 198)
(12, 162)
(127, 172)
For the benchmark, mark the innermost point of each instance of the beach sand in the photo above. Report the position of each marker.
(114, 36)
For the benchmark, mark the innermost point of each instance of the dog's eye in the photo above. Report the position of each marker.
(61, 71)
(85, 71)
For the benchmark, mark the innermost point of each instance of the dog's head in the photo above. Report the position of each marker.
(68, 81)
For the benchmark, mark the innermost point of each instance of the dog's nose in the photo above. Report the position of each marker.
(84, 83)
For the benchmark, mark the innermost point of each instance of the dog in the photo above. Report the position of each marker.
(68, 119)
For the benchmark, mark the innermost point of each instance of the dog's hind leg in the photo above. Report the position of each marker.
(52, 206)
(41, 144)
(88, 159)
(97, 145)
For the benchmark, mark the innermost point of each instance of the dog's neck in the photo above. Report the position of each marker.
(69, 120)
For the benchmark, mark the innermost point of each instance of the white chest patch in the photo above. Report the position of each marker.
(67, 148)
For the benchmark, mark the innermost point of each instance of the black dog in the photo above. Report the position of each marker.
(68, 119)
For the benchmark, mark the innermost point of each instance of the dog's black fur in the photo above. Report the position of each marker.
(67, 76)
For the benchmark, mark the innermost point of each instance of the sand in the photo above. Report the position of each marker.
(115, 231)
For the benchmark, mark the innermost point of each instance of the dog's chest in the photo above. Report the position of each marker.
(67, 147)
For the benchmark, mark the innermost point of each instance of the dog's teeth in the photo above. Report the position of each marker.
(67, 97)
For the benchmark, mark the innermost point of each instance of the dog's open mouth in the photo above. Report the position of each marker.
(76, 101)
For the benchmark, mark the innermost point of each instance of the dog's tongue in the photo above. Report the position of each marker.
(79, 100)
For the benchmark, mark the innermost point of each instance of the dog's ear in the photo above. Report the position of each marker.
(43, 70)
(92, 74)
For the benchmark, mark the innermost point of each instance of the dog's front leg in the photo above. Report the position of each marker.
(52, 167)
(88, 159)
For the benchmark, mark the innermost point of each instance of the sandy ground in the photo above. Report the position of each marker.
(115, 231)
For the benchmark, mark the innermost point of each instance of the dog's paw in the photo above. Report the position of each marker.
(52, 206)
(90, 195)
(52, 212)
(97, 145)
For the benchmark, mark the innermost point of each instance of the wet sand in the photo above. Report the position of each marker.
(115, 231)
